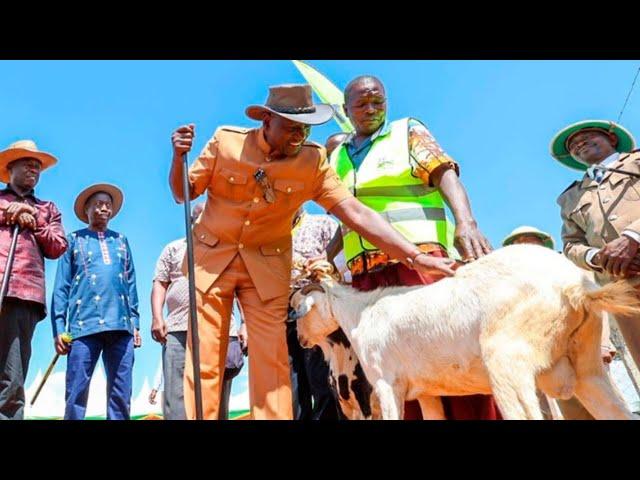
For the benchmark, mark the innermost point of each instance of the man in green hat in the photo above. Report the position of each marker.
(601, 211)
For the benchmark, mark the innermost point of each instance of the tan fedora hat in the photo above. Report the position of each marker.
(114, 192)
(23, 149)
(292, 102)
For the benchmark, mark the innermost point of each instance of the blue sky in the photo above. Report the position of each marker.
(111, 121)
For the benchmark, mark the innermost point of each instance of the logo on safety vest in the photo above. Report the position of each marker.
(384, 162)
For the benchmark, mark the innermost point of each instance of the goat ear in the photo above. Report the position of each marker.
(305, 307)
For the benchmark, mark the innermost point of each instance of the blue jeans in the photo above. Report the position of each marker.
(117, 355)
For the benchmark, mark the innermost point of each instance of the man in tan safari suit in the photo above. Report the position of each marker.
(255, 180)
(601, 211)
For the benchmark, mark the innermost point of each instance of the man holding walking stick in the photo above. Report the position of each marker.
(40, 235)
(256, 179)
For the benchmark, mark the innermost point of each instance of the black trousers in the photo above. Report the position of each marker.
(17, 322)
(313, 398)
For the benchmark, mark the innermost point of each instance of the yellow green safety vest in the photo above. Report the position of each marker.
(384, 183)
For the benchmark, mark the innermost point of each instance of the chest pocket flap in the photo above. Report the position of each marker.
(233, 177)
(288, 186)
(276, 248)
(204, 235)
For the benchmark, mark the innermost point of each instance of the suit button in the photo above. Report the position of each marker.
(277, 250)
(288, 189)
(231, 179)
(605, 200)
(256, 200)
(240, 246)
(602, 187)
(247, 222)
(612, 218)
(202, 237)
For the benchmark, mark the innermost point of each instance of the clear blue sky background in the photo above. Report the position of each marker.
(110, 121)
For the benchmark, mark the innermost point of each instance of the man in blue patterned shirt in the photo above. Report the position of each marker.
(95, 299)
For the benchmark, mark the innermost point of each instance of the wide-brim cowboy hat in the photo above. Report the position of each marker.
(23, 149)
(114, 192)
(292, 102)
(527, 230)
(559, 143)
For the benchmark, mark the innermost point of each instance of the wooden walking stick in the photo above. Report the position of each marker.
(66, 338)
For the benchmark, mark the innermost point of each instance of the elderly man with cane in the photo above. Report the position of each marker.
(30, 230)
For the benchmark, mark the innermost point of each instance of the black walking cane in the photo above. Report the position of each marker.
(193, 317)
(9, 265)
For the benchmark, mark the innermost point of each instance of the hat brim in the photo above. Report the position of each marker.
(323, 114)
(12, 154)
(626, 142)
(116, 195)
(548, 241)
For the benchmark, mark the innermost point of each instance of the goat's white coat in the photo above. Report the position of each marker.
(520, 317)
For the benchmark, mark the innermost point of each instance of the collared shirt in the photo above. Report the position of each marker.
(169, 270)
(95, 288)
(238, 219)
(425, 153)
(597, 175)
(27, 280)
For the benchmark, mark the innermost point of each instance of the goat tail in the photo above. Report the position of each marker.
(618, 298)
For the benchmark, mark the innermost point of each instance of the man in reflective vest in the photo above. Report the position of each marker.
(399, 170)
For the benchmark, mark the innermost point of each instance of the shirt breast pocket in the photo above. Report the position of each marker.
(580, 215)
(625, 186)
(288, 191)
(233, 185)
(43, 213)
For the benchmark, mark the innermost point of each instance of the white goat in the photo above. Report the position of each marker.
(521, 317)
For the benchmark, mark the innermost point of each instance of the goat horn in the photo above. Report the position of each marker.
(310, 287)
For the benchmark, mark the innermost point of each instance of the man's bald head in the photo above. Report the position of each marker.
(365, 103)
(363, 82)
